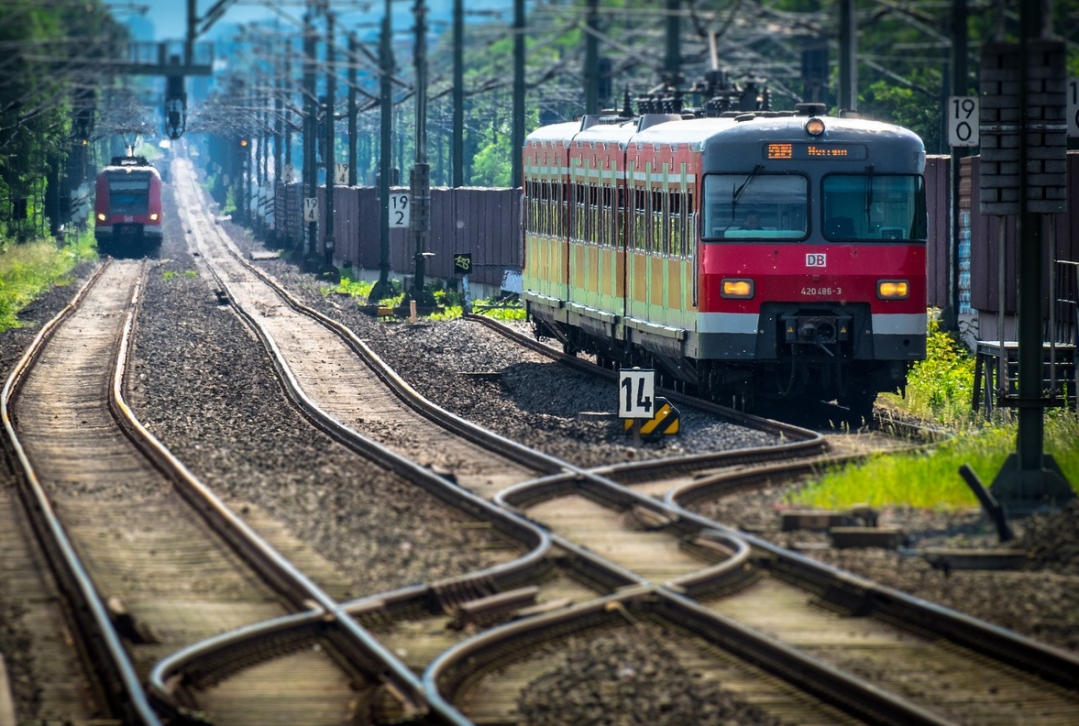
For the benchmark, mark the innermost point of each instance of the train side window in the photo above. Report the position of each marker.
(677, 223)
(640, 226)
(657, 242)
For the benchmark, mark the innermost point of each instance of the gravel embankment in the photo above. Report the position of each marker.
(207, 390)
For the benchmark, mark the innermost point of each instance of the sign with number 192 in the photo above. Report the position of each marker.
(400, 210)
(636, 393)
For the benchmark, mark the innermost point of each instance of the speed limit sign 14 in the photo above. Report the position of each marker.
(963, 121)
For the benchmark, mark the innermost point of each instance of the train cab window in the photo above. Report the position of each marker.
(755, 206)
(874, 207)
(129, 193)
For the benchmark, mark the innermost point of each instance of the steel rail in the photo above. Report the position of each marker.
(100, 642)
(454, 667)
(1045, 661)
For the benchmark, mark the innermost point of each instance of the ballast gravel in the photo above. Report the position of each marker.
(208, 391)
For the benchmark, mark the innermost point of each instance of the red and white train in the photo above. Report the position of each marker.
(127, 211)
(760, 255)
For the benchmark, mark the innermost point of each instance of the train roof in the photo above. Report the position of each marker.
(698, 132)
(130, 164)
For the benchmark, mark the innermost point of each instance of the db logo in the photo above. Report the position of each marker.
(816, 260)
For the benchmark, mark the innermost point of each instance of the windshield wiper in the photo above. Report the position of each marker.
(736, 193)
(869, 198)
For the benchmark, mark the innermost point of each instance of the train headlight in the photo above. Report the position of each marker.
(738, 289)
(815, 126)
(153, 216)
(101, 216)
(893, 289)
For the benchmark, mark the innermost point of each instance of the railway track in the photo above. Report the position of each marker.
(613, 564)
(147, 559)
(605, 524)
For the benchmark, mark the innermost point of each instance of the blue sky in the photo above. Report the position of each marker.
(169, 17)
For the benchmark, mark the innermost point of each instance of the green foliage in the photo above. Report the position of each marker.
(491, 166)
(907, 107)
(940, 387)
(27, 270)
(230, 202)
(931, 478)
(37, 99)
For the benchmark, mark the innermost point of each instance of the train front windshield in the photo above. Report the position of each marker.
(859, 207)
(874, 207)
(129, 193)
(756, 206)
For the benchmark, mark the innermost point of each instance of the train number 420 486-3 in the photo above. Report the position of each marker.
(814, 291)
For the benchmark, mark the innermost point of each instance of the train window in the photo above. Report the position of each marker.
(129, 193)
(659, 218)
(678, 224)
(755, 206)
(580, 200)
(640, 225)
(874, 207)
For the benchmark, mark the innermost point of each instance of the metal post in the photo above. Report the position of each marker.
(458, 162)
(420, 220)
(310, 170)
(1030, 479)
(848, 66)
(591, 59)
(960, 84)
(331, 101)
(353, 47)
(517, 140)
(672, 62)
(383, 288)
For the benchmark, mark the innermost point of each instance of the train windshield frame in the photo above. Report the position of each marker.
(755, 206)
(872, 207)
(129, 193)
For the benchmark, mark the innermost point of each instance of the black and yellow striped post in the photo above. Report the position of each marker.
(663, 423)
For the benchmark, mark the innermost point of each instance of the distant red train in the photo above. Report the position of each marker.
(128, 207)
(775, 255)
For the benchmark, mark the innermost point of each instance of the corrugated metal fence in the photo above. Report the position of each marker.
(483, 222)
(487, 224)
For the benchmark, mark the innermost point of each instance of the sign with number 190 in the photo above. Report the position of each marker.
(963, 121)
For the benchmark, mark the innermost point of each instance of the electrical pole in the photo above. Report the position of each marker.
(591, 59)
(672, 63)
(331, 101)
(848, 54)
(420, 219)
(458, 161)
(352, 49)
(960, 84)
(517, 140)
(382, 288)
(310, 129)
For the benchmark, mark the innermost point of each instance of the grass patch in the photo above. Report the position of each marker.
(27, 270)
(931, 478)
(939, 390)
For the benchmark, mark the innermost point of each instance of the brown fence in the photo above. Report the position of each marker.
(985, 239)
(482, 222)
(486, 223)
